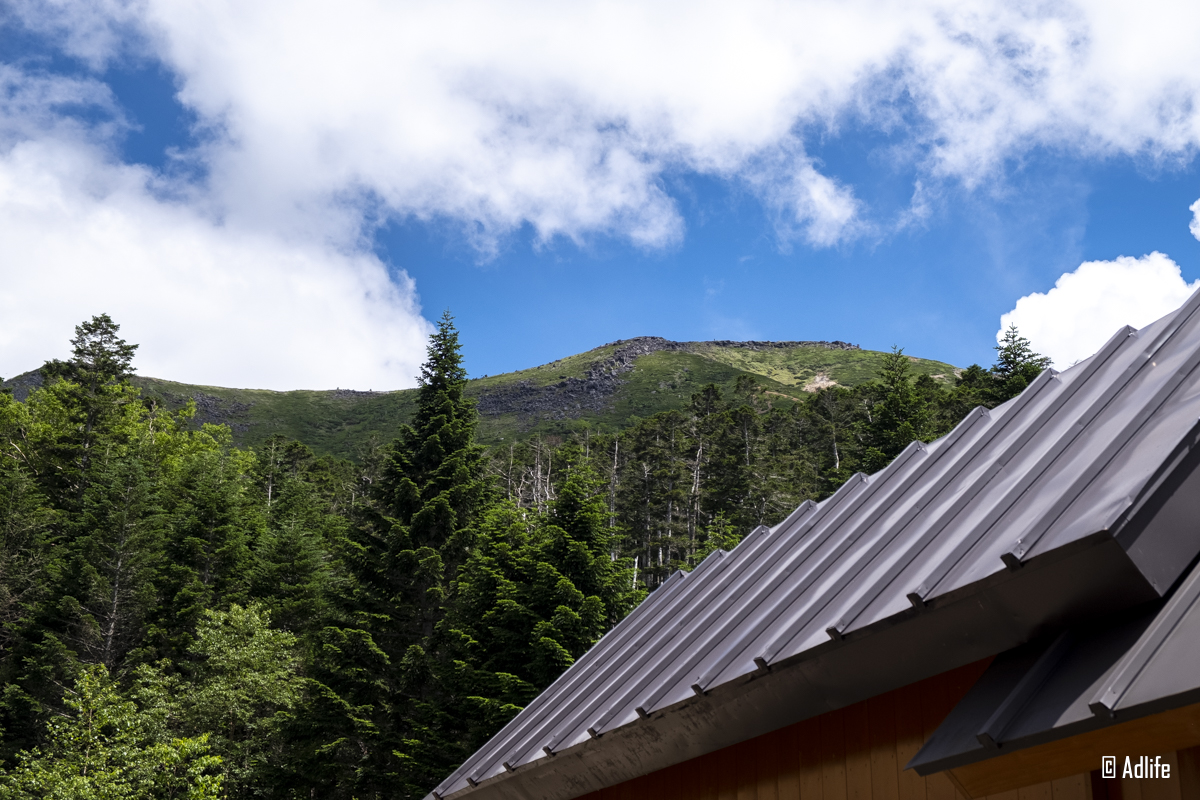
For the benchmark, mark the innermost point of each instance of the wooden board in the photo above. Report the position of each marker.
(1150, 736)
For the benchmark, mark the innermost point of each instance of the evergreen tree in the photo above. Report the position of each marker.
(899, 416)
(433, 484)
(99, 358)
(428, 500)
(92, 386)
(299, 570)
(107, 590)
(833, 414)
(1016, 364)
(432, 489)
(98, 457)
(25, 521)
(213, 523)
(583, 547)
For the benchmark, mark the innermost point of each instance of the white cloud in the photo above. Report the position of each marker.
(31, 106)
(1087, 306)
(208, 302)
(1194, 225)
(565, 116)
(321, 119)
(805, 204)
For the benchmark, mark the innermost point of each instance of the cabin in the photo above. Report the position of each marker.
(1011, 611)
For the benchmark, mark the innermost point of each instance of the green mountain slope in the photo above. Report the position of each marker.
(603, 389)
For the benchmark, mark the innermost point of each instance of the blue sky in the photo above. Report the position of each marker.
(284, 195)
(938, 290)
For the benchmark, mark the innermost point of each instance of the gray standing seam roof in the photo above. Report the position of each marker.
(1086, 678)
(1062, 501)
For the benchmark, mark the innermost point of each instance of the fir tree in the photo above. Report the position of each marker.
(93, 385)
(431, 491)
(900, 415)
(429, 498)
(1016, 364)
(212, 526)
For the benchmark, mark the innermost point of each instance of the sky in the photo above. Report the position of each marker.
(289, 194)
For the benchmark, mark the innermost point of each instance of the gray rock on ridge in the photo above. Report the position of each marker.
(21, 385)
(570, 397)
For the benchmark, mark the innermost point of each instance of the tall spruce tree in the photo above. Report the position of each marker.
(432, 489)
(433, 485)
(429, 498)
(92, 450)
(1016, 364)
(92, 386)
(900, 415)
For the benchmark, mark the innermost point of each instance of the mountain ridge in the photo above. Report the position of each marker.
(605, 389)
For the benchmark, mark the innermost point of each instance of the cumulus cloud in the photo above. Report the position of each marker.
(1194, 225)
(321, 120)
(1087, 306)
(566, 116)
(208, 302)
(805, 204)
(32, 106)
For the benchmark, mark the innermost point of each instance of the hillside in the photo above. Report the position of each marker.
(602, 389)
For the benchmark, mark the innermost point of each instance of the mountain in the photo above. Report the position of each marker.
(604, 389)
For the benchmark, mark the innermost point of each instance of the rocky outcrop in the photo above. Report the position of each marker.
(571, 397)
(568, 398)
(214, 410)
(782, 345)
(210, 409)
(21, 385)
(346, 393)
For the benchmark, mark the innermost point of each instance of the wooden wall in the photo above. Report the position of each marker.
(1184, 783)
(859, 753)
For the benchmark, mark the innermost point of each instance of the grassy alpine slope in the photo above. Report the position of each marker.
(604, 389)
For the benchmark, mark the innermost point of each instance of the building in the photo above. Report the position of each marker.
(994, 612)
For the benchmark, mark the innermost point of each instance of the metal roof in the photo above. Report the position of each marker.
(1086, 678)
(1060, 503)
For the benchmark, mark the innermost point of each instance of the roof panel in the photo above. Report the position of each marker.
(1088, 677)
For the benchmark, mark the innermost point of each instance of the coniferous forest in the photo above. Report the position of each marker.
(183, 618)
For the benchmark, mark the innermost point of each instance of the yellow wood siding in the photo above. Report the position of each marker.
(1157, 734)
(859, 753)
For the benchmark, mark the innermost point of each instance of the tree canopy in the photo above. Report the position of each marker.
(182, 617)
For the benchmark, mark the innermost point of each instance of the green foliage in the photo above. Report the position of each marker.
(719, 534)
(1016, 363)
(244, 688)
(432, 484)
(212, 517)
(25, 521)
(899, 414)
(349, 424)
(99, 358)
(106, 747)
(91, 388)
(274, 623)
(416, 529)
(682, 484)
